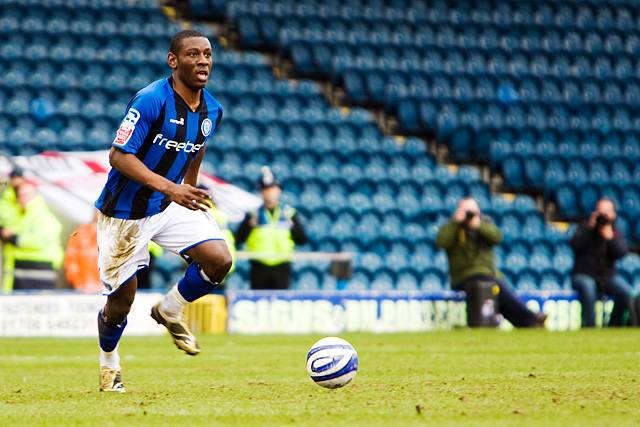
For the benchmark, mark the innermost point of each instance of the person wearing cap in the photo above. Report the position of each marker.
(271, 234)
(32, 244)
(9, 206)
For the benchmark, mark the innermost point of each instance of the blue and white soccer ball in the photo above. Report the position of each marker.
(332, 362)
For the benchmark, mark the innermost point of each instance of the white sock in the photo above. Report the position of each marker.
(110, 359)
(173, 304)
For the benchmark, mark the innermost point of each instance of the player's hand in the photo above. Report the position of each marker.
(190, 197)
(592, 219)
(606, 231)
(459, 216)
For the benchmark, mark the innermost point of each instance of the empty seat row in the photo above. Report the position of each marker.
(500, 16)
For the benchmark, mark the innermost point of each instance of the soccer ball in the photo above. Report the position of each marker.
(332, 362)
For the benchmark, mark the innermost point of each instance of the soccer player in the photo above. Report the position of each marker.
(151, 194)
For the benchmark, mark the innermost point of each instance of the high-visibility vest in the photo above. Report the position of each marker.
(38, 239)
(272, 235)
(9, 207)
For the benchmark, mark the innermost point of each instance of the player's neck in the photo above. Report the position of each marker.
(191, 97)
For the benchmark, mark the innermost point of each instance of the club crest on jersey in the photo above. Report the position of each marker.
(124, 132)
(206, 127)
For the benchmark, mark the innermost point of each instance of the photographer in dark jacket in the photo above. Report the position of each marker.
(597, 246)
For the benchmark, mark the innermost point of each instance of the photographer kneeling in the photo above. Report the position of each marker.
(597, 245)
(469, 238)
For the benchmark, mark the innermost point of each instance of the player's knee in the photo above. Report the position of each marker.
(218, 268)
(117, 309)
(225, 264)
(116, 315)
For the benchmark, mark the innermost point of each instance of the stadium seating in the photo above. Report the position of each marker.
(545, 92)
(74, 64)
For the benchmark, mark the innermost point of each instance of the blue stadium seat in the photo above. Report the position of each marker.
(563, 259)
(551, 280)
(408, 280)
(432, 280)
(516, 261)
(527, 280)
(566, 199)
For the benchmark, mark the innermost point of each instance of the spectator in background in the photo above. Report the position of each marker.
(469, 238)
(597, 245)
(33, 247)
(271, 234)
(9, 206)
(81, 259)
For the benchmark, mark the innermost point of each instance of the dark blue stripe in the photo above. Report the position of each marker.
(324, 347)
(146, 200)
(349, 367)
(198, 243)
(128, 199)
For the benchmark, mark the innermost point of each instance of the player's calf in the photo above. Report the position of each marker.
(112, 320)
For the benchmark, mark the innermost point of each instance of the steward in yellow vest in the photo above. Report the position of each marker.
(32, 244)
(9, 206)
(271, 234)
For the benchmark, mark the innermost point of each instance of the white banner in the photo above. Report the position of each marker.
(292, 312)
(71, 182)
(331, 313)
(69, 315)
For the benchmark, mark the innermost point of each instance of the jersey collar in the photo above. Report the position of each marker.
(179, 98)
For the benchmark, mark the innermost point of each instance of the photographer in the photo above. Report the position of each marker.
(597, 245)
(469, 238)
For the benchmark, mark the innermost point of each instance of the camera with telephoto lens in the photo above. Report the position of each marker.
(602, 220)
(468, 217)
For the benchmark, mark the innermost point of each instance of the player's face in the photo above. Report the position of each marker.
(193, 62)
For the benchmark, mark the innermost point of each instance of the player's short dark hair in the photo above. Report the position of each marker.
(176, 41)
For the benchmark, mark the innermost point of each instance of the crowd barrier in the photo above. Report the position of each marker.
(67, 314)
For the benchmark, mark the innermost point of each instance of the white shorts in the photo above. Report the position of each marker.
(123, 243)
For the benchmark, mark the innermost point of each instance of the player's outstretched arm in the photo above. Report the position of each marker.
(129, 165)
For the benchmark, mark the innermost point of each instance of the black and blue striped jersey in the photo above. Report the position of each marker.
(160, 130)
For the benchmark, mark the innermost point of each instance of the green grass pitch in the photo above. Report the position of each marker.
(461, 377)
